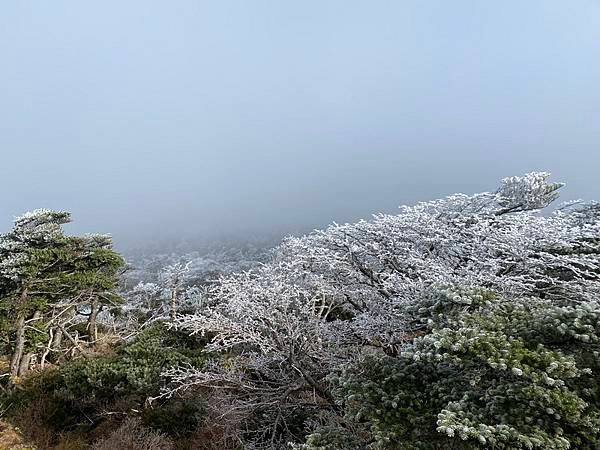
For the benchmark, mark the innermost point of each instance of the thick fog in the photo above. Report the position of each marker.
(158, 120)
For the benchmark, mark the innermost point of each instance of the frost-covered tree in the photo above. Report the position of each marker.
(162, 300)
(158, 286)
(174, 277)
(335, 295)
(487, 372)
(48, 280)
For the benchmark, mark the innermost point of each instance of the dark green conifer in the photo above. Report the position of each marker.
(49, 279)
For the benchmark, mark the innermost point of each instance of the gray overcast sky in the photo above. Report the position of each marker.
(153, 118)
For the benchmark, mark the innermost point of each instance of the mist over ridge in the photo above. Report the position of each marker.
(201, 120)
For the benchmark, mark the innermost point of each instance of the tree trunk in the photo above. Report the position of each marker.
(57, 339)
(58, 335)
(27, 357)
(92, 325)
(15, 362)
(25, 361)
(173, 305)
(17, 356)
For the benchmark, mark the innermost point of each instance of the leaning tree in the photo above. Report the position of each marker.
(49, 282)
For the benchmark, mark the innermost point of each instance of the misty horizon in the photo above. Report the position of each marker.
(157, 122)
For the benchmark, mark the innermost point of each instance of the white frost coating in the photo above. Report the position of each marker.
(329, 296)
(528, 192)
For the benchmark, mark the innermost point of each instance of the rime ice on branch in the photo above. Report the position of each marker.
(339, 293)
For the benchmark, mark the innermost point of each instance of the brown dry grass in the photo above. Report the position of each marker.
(11, 439)
(132, 435)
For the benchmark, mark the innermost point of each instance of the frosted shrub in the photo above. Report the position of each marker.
(338, 295)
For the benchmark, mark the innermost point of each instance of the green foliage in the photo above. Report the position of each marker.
(42, 270)
(134, 369)
(483, 372)
(77, 393)
(175, 417)
(36, 335)
(332, 438)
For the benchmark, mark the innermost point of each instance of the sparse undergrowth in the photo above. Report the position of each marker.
(86, 398)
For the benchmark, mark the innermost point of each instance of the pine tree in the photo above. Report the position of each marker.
(49, 279)
(485, 372)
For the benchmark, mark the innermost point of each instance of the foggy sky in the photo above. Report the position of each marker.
(151, 119)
